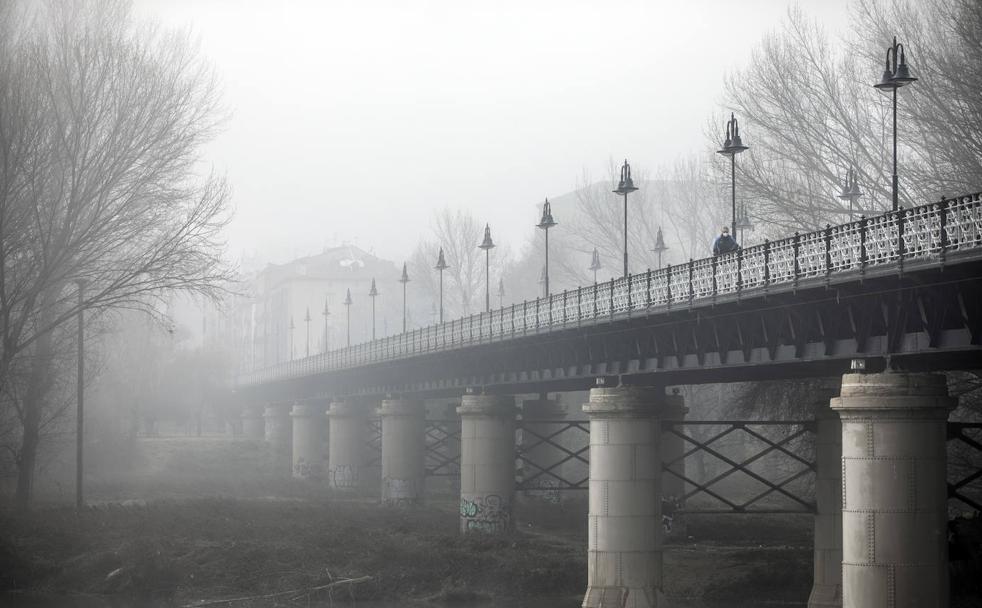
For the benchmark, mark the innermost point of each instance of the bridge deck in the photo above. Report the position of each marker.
(905, 282)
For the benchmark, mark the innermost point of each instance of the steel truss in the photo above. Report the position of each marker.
(548, 475)
(969, 434)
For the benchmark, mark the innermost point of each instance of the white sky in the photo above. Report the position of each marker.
(356, 120)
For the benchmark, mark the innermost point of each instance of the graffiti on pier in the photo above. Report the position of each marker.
(307, 470)
(490, 514)
(343, 476)
(544, 489)
(401, 492)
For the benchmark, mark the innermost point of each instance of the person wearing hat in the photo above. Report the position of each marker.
(724, 243)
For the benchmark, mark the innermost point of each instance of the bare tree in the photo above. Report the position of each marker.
(809, 112)
(101, 123)
(459, 233)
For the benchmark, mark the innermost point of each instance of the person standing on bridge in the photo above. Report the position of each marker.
(724, 243)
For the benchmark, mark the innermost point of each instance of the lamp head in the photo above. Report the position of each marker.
(347, 298)
(487, 243)
(373, 291)
(626, 184)
(546, 222)
(659, 242)
(405, 275)
(441, 262)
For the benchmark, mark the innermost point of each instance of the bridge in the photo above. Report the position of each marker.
(884, 302)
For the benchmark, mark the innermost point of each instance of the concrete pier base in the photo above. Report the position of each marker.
(672, 447)
(487, 463)
(253, 425)
(625, 531)
(894, 519)
(827, 581)
(308, 441)
(403, 451)
(539, 454)
(279, 436)
(347, 448)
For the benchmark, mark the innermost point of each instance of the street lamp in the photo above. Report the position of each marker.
(545, 224)
(441, 265)
(595, 264)
(326, 313)
(743, 223)
(487, 245)
(660, 246)
(731, 147)
(373, 292)
(543, 281)
(293, 351)
(501, 292)
(625, 187)
(404, 279)
(850, 190)
(79, 394)
(896, 74)
(347, 304)
(306, 320)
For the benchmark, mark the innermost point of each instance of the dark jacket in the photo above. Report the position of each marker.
(724, 243)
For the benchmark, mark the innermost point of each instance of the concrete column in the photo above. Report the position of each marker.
(625, 534)
(403, 451)
(535, 413)
(827, 582)
(894, 493)
(279, 436)
(672, 447)
(347, 449)
(308, 441)
(253, 425)
(487, 463)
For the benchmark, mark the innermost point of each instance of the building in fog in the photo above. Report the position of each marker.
(283, 316)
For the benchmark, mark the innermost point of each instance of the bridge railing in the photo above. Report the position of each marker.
(928, 232)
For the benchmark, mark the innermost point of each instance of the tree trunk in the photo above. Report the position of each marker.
(34, 396)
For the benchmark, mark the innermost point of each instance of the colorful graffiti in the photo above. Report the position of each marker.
(490, 514)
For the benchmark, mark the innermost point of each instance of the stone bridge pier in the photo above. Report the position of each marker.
(894, 492)
(308, 441)
(403, 451)
(279, 436)
(624, 557)
(347, 445)
(253, 425)
(487, 463)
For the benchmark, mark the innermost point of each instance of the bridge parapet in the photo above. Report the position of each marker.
(926, 236)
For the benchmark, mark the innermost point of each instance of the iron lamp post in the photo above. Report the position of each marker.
(441, 265)
(545, 224)
(326, 313)
(732, 146)
(293, 327)
(306, 320)
(373, 293)
(660, 246)
(347, 304)
(487, 245)
(896, 74)
(625, 187)
(595, 264)
(743, 223)
(404, 279)
(850, 190)
(501, 292)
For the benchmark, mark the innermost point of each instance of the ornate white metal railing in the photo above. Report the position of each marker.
(928, 232)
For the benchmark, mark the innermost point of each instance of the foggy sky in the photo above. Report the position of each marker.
(354, 121)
